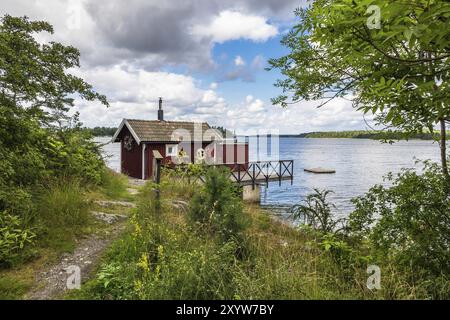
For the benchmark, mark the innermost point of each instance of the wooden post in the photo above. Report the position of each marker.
(279, 174)
(157, 160)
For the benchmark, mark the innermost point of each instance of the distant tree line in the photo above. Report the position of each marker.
(361, 134)
(224, 131)
(101, 131)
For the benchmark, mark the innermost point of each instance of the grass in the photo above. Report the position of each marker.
(166, 256)
(114, 185)
(12, 288)
(62, 216)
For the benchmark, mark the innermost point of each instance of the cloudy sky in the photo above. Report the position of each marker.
(206, 58)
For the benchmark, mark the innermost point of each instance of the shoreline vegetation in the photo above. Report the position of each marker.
(200, 241)
(375, 135)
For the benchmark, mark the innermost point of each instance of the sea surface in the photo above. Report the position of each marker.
(359, 164)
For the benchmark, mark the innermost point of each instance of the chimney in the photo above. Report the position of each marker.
(160, 111)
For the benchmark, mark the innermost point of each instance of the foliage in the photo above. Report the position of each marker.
(377, 135)
(62, 205)
(101, 131)
(40, 141)
(399, 71)
(113, 184)
(13, 237)
(216, 207)
(317, 212)
(163, 256)
(12, 288)
(408, 223)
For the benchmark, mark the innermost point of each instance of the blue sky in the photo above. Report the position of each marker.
(206, 58)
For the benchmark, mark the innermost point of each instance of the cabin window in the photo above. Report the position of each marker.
(171, 150)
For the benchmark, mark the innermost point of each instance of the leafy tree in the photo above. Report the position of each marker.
(399, 71)
(36, 91)
(412, 221)
(39, 140)
(34, 76)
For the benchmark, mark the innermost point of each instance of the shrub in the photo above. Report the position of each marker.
(217, 207)
(71, 152)
(409, 222)
(316, 211)
(13, 238)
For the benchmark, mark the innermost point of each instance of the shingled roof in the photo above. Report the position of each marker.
(163, 131)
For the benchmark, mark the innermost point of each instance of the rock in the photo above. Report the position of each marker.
(180, 204)
(136, 182)
(132, 191)
(107, 203)
(108, 217)
(319, 170)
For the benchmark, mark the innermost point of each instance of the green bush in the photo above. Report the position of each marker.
(217, 206)
(13, 238)
(71, 152)
(317, 212)
(408, 223)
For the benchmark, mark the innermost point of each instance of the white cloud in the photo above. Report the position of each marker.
(234, 25)
(134, 94)
(258, 62)
(125, 45)
(238, 61)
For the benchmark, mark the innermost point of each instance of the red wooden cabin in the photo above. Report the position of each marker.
(176, 141)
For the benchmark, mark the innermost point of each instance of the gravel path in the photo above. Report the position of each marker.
(52, 284)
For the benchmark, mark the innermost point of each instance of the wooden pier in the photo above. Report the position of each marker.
(261, 172)
(250, 176)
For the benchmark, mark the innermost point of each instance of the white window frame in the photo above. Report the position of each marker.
(175, 149)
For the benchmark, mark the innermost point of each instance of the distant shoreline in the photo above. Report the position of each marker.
(109, 132)
(363, 135)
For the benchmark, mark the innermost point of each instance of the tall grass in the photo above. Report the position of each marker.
(63, 213)
(166, 255)
(114, 185)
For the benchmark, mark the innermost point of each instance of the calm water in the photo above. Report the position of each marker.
(359, 164)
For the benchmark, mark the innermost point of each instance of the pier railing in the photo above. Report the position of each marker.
(253, 173)
(256, 172)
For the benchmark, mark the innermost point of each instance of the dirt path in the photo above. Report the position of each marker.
(52, 284)
(55, 280)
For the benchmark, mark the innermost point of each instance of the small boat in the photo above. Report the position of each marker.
(320, 170)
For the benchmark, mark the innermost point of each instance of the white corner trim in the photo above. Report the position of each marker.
(144, 146)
